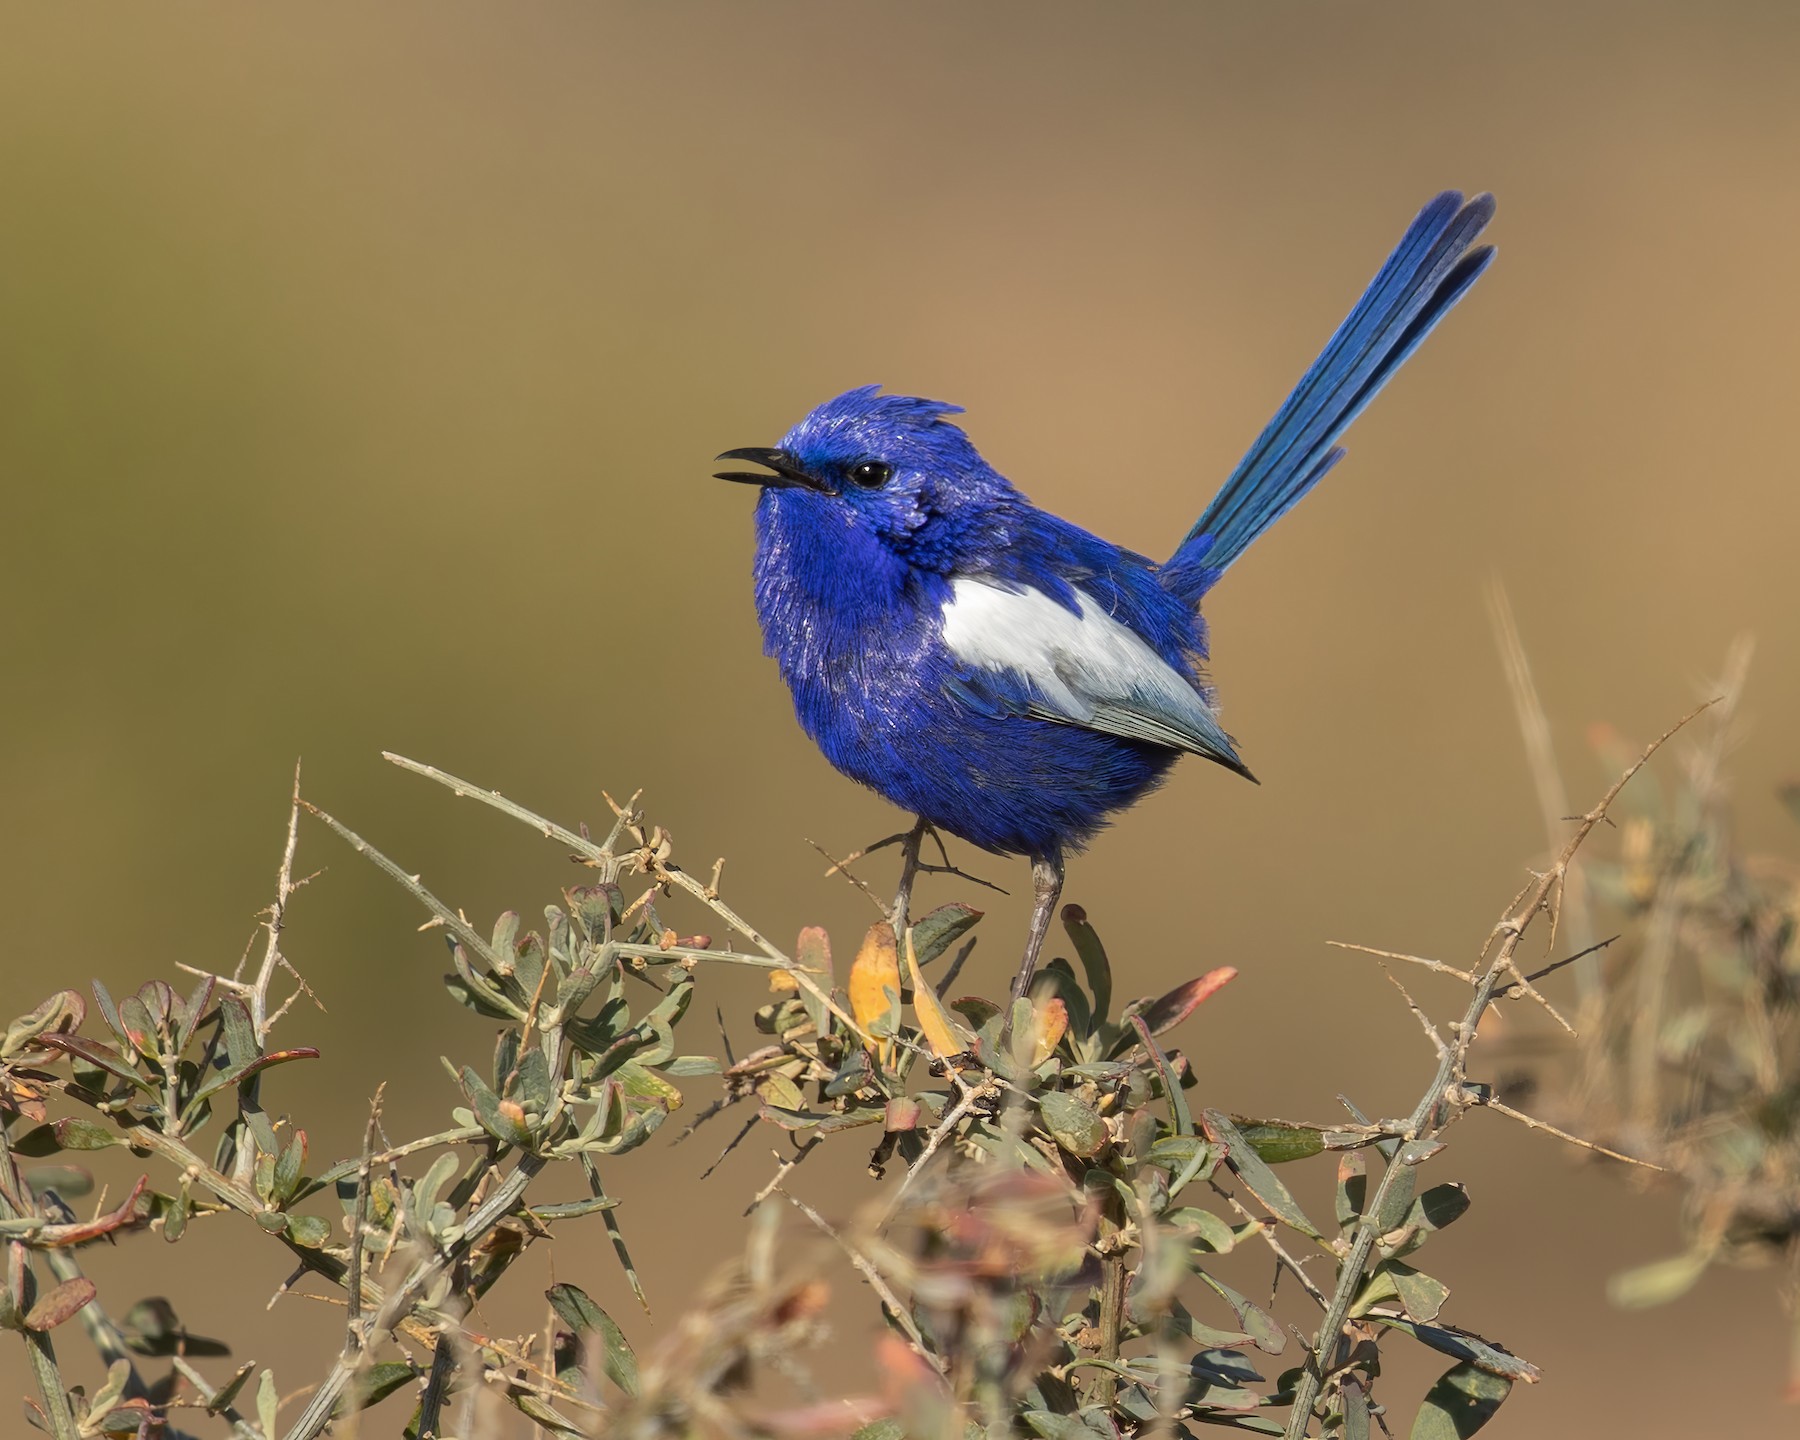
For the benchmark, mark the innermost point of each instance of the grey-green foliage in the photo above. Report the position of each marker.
(1052, 1257)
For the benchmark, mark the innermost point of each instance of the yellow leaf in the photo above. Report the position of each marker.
(875, 973)
(944, 1035)
(1050, 1022)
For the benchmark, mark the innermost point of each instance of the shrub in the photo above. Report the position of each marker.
(1046, 1252)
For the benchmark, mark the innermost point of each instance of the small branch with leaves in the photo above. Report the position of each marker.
(1045, 1258)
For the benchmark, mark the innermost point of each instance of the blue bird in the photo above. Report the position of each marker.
(999, 672)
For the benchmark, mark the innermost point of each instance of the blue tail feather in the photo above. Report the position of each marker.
(1428, 272)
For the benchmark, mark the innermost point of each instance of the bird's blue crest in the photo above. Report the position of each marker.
(867, 418)
(912, 434)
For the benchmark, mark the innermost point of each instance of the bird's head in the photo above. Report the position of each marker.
(893, 467)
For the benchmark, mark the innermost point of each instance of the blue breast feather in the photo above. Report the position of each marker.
(859, 640)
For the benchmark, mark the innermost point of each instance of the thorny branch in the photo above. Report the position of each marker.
(1077, 1079)
(1449, 1093)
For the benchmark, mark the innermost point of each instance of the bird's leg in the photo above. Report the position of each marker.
(1046, 890)
(909, 869)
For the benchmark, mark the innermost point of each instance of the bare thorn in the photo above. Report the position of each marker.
(1431, 1033)
(1436, 966)
(842, 867)
(1551, 969)
(1531, 1122)
(735, 1141)
(1284, 1261)
(855, 855)
(784, 1168)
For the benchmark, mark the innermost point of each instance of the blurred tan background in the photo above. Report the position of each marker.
(360, 374)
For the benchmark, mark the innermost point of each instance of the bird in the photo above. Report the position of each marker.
(999, 672)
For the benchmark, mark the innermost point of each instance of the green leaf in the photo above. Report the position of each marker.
(670, 1009)
(1401, 1181)
(64, 1010)
(140, 1029)
(118, 1376)
(1459, 1404)
(488, 997)
(1178, 1106)
(237, 1074)
(975, 1010)
(1211, 1230)
(533, 1085)
(268, 1401)
(1197, 1163)
(943, 927)
(1262, 1182)
(503, 1119)
(1182, 1323)
(1421, 1294)
(526, 962)
(1279, 1141)
(60, 1135)
(506, 935)
(1456, 1343)
(586, 1318)
(176, 1217)
(1253, 1320)
(287, 1166)
(683, 1065)
(240, 1034)
(1356, 1409)
(506, 1059)
(1074, 1126)
(96, 1054)
(781, 1092)
(573, 1208)
(1439, 1206)
(471, 997)
(380, 1381)
(640, 1084)
(310, 1231)
(109, 1012)
(1656, 1283)
(575, 987)
(226, 1395)
(442, 1171)
(1352, 1189)
(192, 1011)
(1092, 955)
(535, 1410)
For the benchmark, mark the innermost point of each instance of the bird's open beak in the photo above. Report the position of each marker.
(787, 472)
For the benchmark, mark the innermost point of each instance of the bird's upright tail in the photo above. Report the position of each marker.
(1429, 271)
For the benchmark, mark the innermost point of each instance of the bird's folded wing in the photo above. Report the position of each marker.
(1022, 652)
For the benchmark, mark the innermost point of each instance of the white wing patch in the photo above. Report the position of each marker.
(1087, 669)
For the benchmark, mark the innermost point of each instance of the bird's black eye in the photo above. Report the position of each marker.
(871, 474)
